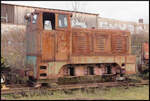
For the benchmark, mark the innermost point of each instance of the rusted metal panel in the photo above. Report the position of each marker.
(33, 37)
(101, 43)
(53, 11)
(120, 59)
(119, 44)
(31, 62)
(59, 65)
(145, 50)
(81, 43)
(130, 69)
(92, 59)
(33, 43)
(62, 45)
(48, 41)
(63, 71)
(54, 69)
(131, 59)
(37, 25)
(106, 59)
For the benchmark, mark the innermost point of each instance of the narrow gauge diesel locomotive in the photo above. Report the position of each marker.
(55, 50)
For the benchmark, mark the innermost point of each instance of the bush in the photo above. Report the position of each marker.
(4, 65)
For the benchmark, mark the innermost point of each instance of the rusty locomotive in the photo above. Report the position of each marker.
(55, 49)
(144, 65)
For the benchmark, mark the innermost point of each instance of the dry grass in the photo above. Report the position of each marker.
(13, 45)
(116, 93)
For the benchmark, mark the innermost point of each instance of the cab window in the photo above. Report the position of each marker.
(48, 21)
(62, 21)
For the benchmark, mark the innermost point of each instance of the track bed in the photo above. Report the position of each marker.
(24, 89)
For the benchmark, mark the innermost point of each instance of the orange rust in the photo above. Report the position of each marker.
(52, 11)
(66, 45)
(145, 50)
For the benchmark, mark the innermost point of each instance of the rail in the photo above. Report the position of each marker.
(71, 86)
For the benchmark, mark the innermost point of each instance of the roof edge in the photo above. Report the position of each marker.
(49, 9)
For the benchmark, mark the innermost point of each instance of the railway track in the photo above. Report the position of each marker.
(71, 86)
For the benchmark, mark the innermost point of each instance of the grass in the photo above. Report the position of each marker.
(115, 93)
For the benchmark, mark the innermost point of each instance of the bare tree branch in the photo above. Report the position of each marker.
(77, 17)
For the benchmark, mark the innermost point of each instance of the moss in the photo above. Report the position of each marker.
(85, 79)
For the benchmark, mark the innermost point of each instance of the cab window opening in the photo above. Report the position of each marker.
(48, 21)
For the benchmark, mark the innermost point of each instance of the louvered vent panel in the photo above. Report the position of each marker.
(118, 44)
(100, 43)
(81, 43)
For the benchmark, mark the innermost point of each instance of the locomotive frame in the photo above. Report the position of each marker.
(145, 53)
(54, 49)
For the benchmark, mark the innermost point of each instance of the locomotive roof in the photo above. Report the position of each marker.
(52, 11)
(96, 30)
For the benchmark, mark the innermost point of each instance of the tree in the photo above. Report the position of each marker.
(4, 65)
(78, 18)
(13, 45)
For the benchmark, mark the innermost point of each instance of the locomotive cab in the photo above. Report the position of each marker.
(47, 40)
(48, 20)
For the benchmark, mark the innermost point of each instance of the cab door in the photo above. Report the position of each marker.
(48, 37)
(62, 37)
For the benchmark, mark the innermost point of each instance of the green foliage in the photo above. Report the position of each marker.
(145, 76)
(144, 71)
(84, 79)
(4, 66)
